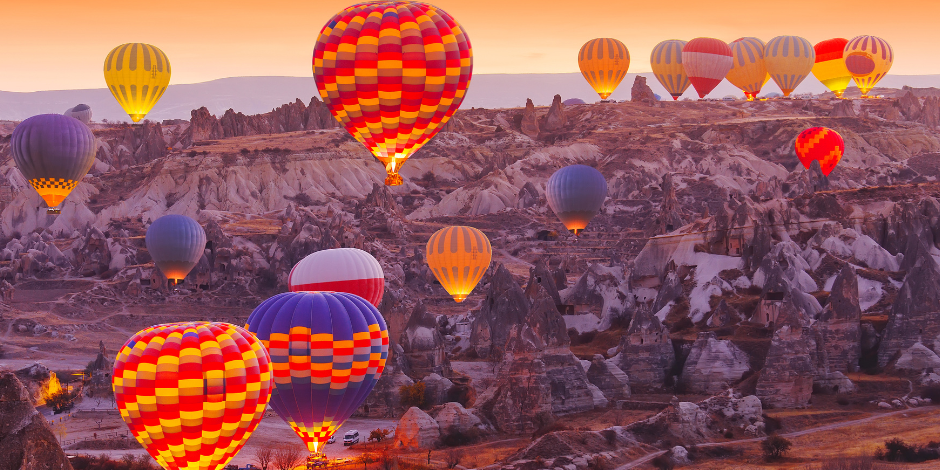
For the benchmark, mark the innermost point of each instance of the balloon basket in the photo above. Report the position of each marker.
(53, 211)
(393, 180)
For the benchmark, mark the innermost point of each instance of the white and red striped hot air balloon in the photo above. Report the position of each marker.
(340, 270)
(706, 62)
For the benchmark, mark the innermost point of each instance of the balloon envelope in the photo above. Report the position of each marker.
(830, 67)
(575, 193)
(393, 73)
(328, 350)
(666, 62)
(748, 71)
(789, 61)
(868, 59)
(176, 243)
(137, 75)
(458, 256)
(604, 63)
(707, 62)
(53, 152)
(822, 144)
(342, 270)
(81, 112)
(192, 393)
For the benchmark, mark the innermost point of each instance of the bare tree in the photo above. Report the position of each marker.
(387, 459)
(366, 459)
(263, 457)
(287, 456)
(98, 421)
(452, 457)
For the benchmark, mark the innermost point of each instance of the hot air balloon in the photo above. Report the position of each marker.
(789, 60)
(822, 144)
(192, 393)
(458, 256)
(868, 59)
(82, 112)
(748, 71)
(53, 152)
(666, 61)
(137, 75)
(342, 270)
(328, 350)
(604, 63)
(575, 193)
(830, 66)
(392, 73)
(176, 243)
(706, 62)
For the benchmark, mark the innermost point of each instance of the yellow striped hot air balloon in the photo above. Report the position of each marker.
(666, 61)
(868, 59)
(748, 72)
(137, 75)
(604, 63)
(789, 61)
(458, 256)
(830, 67)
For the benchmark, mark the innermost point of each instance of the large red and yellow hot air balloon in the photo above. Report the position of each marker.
(789, 61)
(459, 256)
(604, 63)
(666, 62)
(830, 66)
(192, 393)
(868, 59)
(392, 73)
(748, 71)
(822, 144)
(328, 350)
(707, 62)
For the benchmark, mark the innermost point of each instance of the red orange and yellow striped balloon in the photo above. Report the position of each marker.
(192, 393)
(820, 143)
(604, 63)
(392, 73)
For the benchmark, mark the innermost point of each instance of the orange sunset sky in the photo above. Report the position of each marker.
(61, 44)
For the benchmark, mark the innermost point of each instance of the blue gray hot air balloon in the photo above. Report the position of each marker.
(328, 350)
(176, 243)
(82, 112)
(53, 152)
(575, 193)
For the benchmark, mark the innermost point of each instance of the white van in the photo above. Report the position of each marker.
(351, 437)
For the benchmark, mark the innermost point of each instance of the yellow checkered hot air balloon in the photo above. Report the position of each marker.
(137, 75)
(604, 63)
(458, 256)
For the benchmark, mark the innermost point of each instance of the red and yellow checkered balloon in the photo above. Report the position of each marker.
(192, 393)
(392, 73)
(820, 143)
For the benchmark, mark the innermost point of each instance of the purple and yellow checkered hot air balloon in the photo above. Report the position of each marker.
(328, 350)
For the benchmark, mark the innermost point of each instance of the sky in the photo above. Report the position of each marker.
(61, 44)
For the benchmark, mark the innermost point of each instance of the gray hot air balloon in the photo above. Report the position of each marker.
(81, 112)
(176, 243)
(575, 193)
(53, 152)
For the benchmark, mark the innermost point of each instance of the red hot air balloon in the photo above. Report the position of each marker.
(706, 61)
(192, 393)
(340, 270)
(820, 143)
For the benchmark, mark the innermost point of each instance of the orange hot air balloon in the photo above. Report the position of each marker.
(458, 257)
(789, 61)
(830, 66)
(868, 59)
(604, 63)
(748, 71)
(666, 62)
(392, 73)
(707, 62)
(820, 143)
(192, 393)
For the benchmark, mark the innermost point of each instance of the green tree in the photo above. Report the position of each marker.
(775, 446)
(413, 395)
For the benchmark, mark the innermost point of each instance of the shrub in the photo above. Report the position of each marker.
(845, 463)
(610, 436)
(413, 395)
(379, 435)
(61, 401)
(663, 462)
(843, 401)
(897, 450)
(245, 151)
(932, 392)
(729, 434)
(453, 437)
(775, 446)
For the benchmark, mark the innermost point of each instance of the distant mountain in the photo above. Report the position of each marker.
(252, 95)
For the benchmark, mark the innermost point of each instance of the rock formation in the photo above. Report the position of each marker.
(612, 382)
(605, 290)
(839, 324)
(646, 353)
(26, 442)
(530, 121)
(417, 430)
(915, 316)
(641, 92)
(556, 119)
(454, 418)
(713, 365)
(786, 381)
(423, 344)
